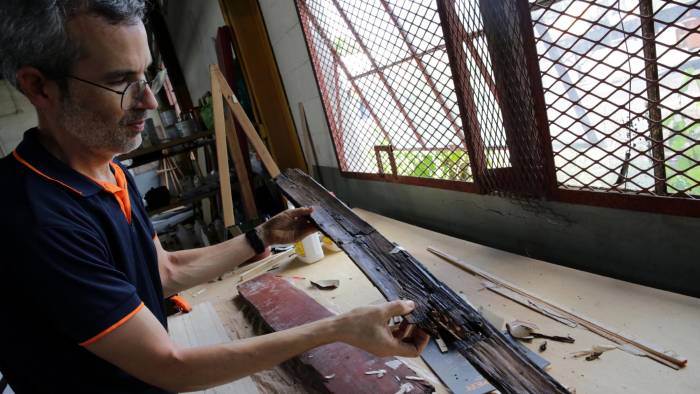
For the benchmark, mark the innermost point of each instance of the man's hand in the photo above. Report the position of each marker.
(182, 269)
(287, 227)
(142, 347)
(367, 328)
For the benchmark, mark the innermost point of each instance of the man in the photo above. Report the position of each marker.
(83, 275)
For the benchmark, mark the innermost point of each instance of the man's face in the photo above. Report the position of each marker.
(112, 56)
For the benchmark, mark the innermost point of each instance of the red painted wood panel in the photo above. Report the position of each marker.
(281, 305)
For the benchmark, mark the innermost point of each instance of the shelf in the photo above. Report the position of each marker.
(179, 202)
(161, 150)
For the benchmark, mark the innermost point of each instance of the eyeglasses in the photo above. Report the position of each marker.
(134, 92)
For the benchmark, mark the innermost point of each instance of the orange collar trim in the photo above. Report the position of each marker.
(120, 190)
(31, 167)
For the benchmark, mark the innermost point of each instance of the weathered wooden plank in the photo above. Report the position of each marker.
(398, 275)
(280, 305)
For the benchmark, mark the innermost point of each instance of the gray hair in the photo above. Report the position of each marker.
(33, 32)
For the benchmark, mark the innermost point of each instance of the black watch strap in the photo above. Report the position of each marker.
(254, 240)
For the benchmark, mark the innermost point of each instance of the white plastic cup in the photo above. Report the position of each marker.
(309, 249)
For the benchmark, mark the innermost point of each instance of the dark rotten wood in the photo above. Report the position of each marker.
(398, 275)
(279, 305)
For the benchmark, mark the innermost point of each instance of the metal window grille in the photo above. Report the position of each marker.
(387, 87)
(454, 90)
(488, 42)
(620, 81)
(400, 79)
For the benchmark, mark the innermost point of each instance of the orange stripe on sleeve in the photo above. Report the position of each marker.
(112, 327)
(31, 167)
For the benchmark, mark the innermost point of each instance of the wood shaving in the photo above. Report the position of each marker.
(405, 388)
(379, 372)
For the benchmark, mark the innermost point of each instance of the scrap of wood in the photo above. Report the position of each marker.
(593, 356)
(337, 367)
(379, 372)
(328, 284)
(400, 276)
(600, 349)
(260, 267)
(239, 163)
(221, 154)
(538, 304)
(246, 124)
(405, 388)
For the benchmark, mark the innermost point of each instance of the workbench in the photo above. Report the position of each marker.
(670, 321)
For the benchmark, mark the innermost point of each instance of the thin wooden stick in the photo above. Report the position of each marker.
(164, 174)
(536, 304)
(221, 151)
(245, 123)
(260, 267)
(239, 164)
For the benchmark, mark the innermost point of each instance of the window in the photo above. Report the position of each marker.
(620, 81)
(546, 98)
(387, 87)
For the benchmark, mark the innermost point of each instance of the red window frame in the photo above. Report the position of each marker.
(528, 168)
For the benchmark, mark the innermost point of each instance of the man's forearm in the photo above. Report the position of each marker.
(200, 368)
(187, 268)
(184, 269)
(142, 348)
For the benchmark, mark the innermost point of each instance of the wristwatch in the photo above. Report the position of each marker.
(254, 240)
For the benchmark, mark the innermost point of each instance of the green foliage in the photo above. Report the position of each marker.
(682, 169)
(343, 47)
(447, 164)
(206, 113)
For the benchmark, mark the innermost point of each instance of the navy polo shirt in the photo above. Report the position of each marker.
(75, 266)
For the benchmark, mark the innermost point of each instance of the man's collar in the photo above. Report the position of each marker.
(35, 157)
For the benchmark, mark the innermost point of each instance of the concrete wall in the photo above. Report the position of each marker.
(192, 26)
(16, 116)
(657, 250)
(293, 61)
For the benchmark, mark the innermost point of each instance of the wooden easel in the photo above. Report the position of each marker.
(224, 123)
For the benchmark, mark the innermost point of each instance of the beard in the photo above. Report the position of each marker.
(96, 132)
